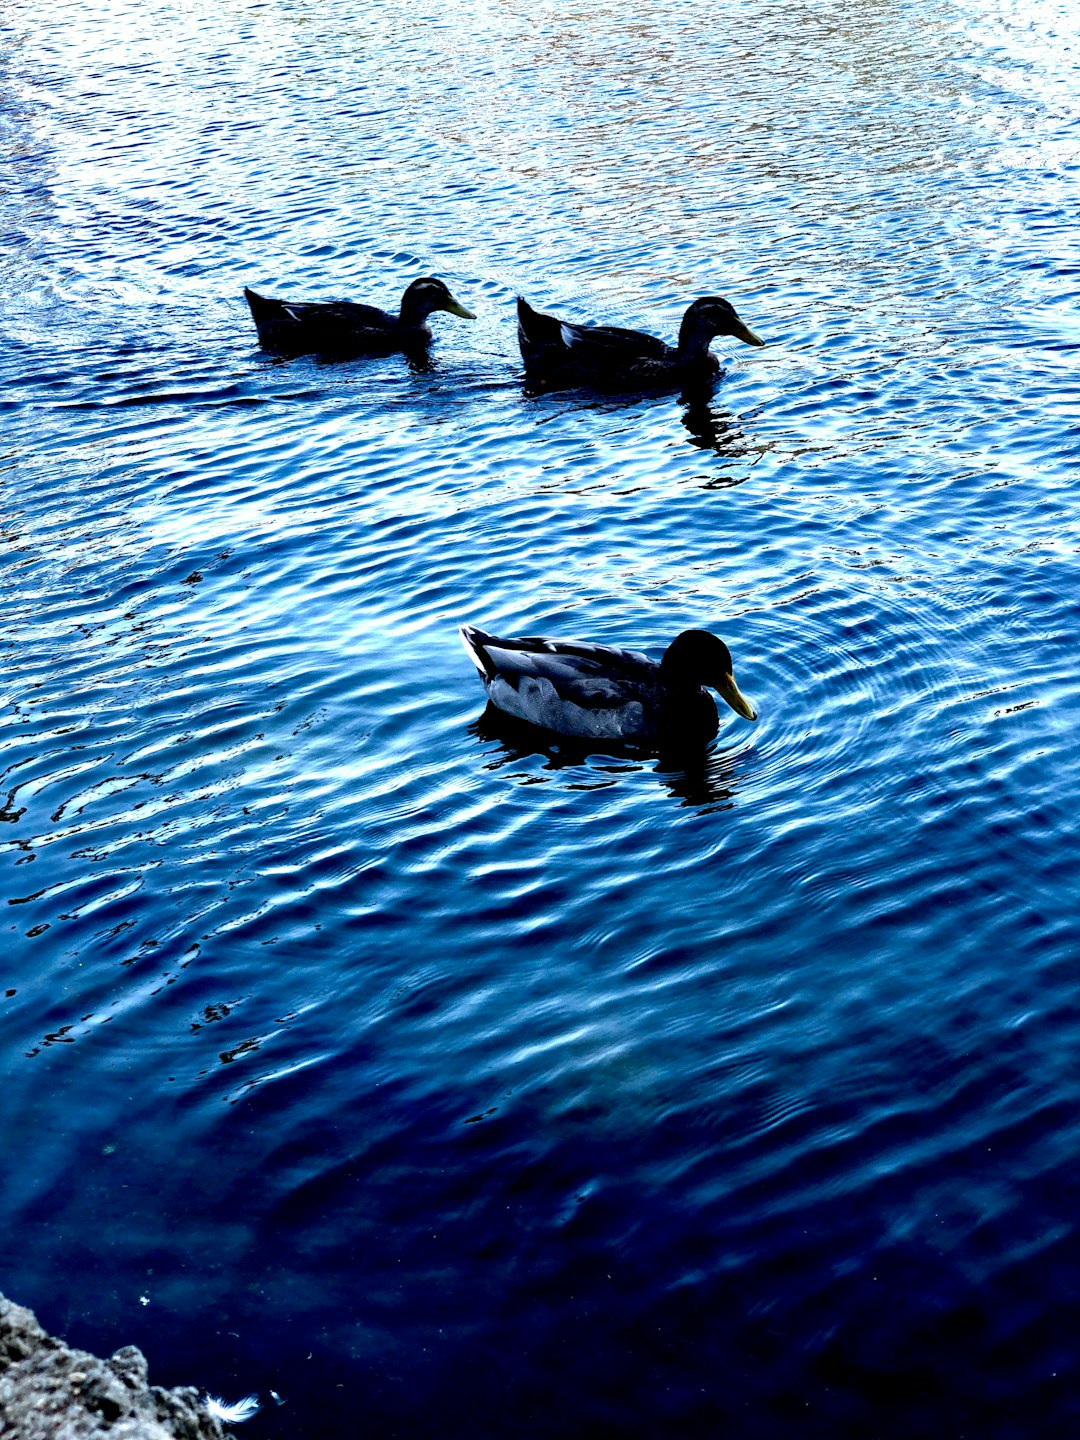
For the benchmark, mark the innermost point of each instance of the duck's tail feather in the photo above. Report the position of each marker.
(258, 304)
(525, 311)
(267, 313)
(474, 641)
(278, 323)
(536, 332)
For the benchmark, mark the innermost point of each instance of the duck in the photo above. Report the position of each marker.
(558, 353)
(601, 694)
(341, 326)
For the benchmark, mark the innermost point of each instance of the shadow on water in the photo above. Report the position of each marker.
(599, 395)
(697, 777)
(418, 357)
(711, 428)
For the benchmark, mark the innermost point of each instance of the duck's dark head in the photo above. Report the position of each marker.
(711, 316)
(698, 657)
(425, 295)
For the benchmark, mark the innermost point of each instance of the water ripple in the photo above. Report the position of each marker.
(327, 994)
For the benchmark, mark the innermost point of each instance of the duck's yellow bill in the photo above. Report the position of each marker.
(744, 333)
(455, 308)
(735, 698)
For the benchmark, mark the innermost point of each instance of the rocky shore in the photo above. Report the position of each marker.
(50, 1392)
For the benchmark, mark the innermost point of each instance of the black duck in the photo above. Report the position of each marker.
(342, 327)
(559, 354)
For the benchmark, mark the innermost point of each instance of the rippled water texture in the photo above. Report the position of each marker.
(447, 1083)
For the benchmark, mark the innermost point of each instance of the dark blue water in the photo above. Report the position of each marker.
(449, 1085)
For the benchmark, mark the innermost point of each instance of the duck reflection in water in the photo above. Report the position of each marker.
(711, 428)
(698, 779)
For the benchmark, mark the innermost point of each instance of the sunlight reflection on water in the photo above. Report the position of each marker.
(460, 1078)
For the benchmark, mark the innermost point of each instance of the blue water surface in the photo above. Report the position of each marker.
(448, 1082)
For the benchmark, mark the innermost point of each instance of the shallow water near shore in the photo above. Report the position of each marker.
(438, 1079)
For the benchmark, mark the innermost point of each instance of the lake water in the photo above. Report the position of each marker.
(447, 1084)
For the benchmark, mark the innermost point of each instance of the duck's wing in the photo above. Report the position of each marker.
(591, 692)
(591, 676)
(542, 335)
(344, 315)
(610, 659)
(609, 345)
(279, 320)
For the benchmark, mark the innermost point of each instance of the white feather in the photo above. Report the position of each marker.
(232, 1414)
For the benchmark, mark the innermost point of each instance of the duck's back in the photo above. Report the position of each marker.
(554, 349)
(311, 325)
(593, 692)
(566, 659)
(597, 344)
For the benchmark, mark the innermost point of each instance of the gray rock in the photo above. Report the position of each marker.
(51, 1392)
